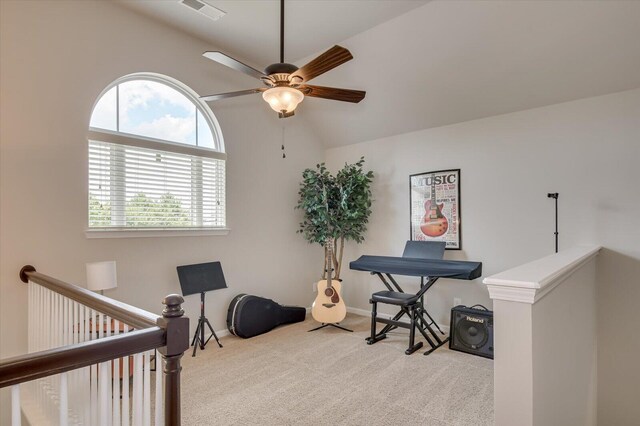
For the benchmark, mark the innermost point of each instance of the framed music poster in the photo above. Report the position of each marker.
(434, 199)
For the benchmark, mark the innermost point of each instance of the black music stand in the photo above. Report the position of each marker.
(200, 278)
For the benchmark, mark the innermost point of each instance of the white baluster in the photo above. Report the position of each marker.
(39, 318)
(147, 389)
(60, 330)
(54, 381)
(29, 387)
(117, 375)
(64, 321)
(159, 393)
(30, 313)
(94, 373)
(64, 331)
(74, 375)
(101, 376)
(69, 329)
(59, 343)
(39, 313)
(103, 382)
(75, 321)
(86, 373)
(41, 338)
(58, 322)
(109, 365)
(51, 319)
(64, 400)
(137, 390)
(100, 325)
(49, 381)
(125, 386)
(33, 310)
(15, 405)
(47, 319)
(44, 341)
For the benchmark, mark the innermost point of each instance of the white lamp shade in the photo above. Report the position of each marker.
(283, 99)
(101, 275)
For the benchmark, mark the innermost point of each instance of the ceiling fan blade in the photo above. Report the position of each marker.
(330, 59)
(345, 95)
(219, 96)
(228, 61)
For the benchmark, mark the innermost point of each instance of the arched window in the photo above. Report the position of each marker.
(156, 158)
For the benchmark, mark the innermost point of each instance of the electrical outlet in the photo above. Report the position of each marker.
(457, 301)
(314, 287)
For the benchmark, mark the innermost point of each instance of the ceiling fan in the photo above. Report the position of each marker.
(286, 84)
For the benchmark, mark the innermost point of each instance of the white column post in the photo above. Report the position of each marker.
(545, 340)
(15, 406)
(64, 399)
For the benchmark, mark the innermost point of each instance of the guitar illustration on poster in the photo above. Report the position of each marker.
(434, 223)
(435, 207)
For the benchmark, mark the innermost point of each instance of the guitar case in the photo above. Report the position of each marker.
(250, 316)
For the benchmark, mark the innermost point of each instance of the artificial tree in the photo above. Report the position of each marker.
(335, 207)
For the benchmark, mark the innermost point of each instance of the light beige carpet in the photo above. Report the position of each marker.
(331, 377)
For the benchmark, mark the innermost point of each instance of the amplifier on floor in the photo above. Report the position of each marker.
(472, 330)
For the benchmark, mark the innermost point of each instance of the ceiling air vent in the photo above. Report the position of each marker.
(204, 8)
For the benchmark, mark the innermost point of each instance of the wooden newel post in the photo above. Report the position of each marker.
(176, 326)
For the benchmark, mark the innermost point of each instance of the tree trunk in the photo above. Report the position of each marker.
(335, 259)
(324, 264)
(339, 258)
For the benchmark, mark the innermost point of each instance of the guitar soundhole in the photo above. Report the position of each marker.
(328, 292)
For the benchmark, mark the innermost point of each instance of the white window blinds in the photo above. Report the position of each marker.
(139, 187)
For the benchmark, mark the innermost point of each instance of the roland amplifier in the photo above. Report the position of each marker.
(472, 330)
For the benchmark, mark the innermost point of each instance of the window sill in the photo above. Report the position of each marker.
(147, 233)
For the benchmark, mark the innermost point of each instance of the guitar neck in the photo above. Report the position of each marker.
(433, 189)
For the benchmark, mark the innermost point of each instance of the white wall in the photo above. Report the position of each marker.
(56, 59)
(588, 151)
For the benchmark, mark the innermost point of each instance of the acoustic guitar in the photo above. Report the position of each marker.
(434, 223)
(329, 307)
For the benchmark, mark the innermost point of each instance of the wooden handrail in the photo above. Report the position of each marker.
(36, 365)
(135, 317)
(169, 334)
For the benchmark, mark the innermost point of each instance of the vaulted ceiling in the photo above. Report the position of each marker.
(251, 28)
(428, 64)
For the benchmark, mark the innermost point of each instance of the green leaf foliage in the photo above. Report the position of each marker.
(99, 212)
(142, 210)
(335, 206)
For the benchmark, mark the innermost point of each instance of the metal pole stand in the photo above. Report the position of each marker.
(198, 336)
(554, 195)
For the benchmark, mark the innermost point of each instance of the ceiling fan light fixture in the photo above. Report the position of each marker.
(283, 99)
(287, 84)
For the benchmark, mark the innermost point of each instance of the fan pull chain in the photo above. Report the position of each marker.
(284, 154)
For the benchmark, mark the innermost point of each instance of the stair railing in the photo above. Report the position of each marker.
(90, 359)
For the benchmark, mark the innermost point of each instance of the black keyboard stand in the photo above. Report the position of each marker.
(423, 325)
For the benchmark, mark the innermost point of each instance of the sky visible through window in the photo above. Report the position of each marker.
(152, 109)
